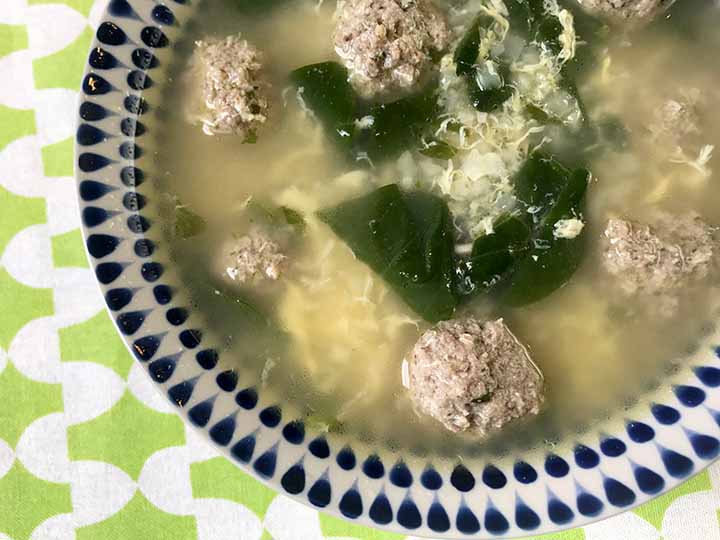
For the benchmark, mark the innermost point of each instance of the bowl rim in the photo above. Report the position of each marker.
(665, 439)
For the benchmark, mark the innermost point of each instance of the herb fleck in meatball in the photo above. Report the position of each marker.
(658, 258)
(253, 257)
(387, 45)
(232, 87)
(473, 376)
(629, 10)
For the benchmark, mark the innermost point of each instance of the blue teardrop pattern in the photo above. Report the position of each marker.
(588, 504)
(177, 315)
(466, 522)
(131, 321)
(648, 480)
(102, 245)
(110, 34)
(144, 248)
(162, 15)
(266, 463)
(136, 105)
(93, 216)
(381, 511)
(207, 358)
(106, 273)
(200, 414)
(92, 112)
(94, 85)
(153, 37)
(247, 398)
(294, 432)
(494, 521)
(559, 512)
(320, 493)
(400, 475)
(243, 449)
(132, 176)
(293, 481)
(102, 59)
(586, 458)
(525, 517)
(227, 380)
(162, 369)
(121, 8)
(709, 376)
(146, 347)
(351, 505)
(665, 414)
(90, 190)
(139, 80)
(271, 416)
(690, 396)
(524, 472)
(617, 493)
(133, 201)
(437, 518)
(462, 479)
(373, 467)
(190, 338)
(676, 464)
(705, 446)
(151, 271)
(556, 466)
(612, 447)
(88, 135)
(130, 127)
(346, 459)
(181, 393)
(138, 224)
(163, 294)
(431, 479)
(639, 432)
(144, 59)
(116, 299)
(319, 448)
(408, 514)
(223, 431)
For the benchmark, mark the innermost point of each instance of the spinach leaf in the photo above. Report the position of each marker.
(487, 85)
(294, 218)
(539, 181)
(327, 92)
(466, 52)
(438, 149)
(551, 261)
(187, 223)
(493, 255)
(408, 240)
(397, 125)
(266, 212)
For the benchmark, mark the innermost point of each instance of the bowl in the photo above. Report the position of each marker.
(645, 448)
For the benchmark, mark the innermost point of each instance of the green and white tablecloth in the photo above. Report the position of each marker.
(87, 448)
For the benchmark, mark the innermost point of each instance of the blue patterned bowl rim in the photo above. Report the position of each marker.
(646, 450)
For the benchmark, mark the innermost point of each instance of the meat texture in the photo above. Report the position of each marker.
(387, 45)
(473, 376)
(634, 11)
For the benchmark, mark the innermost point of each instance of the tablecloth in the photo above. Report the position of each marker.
(88, 450)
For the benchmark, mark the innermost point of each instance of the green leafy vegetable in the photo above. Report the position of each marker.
(267, 212)
(438, 149)
(466, 53)
(294, 218)
(487, 85)
(188, 223)
(539, 181)
(550, 262)
(326, 91)
(397, 125)
(493, 255)
(541, 116)
(408, 240)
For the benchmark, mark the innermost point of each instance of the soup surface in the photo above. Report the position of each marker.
(330, 334)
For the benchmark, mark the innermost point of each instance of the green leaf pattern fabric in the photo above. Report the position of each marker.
(88, 449)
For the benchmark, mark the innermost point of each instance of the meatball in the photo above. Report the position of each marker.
(232, 87)
(253, 257)
(657, 259)
(636, 11)
(387, 45)
(677, 118)
(473, 376)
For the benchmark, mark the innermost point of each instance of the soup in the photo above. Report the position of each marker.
(538, 174)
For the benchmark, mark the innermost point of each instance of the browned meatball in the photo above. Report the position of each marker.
(473, 376)
(656, 259)
(387, 44)
(232, 87)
